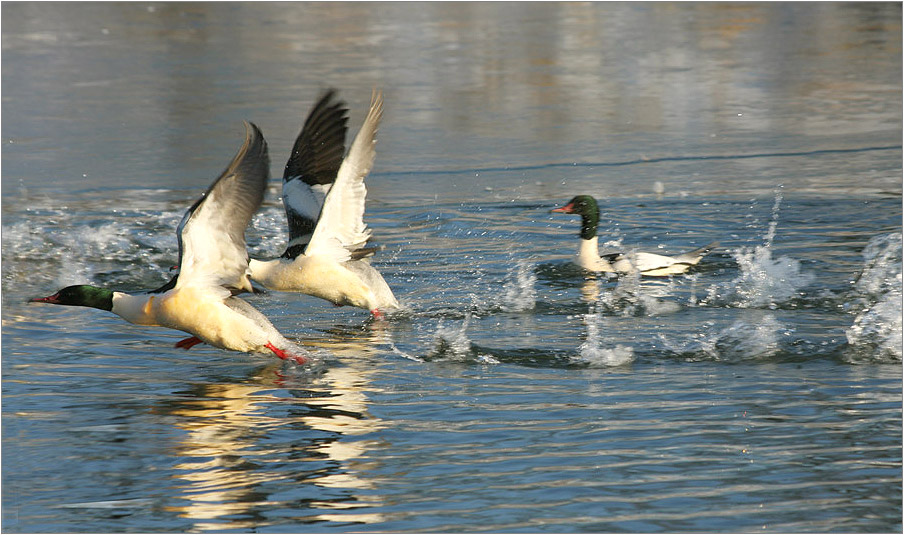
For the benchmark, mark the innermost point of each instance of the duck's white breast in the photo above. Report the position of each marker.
(197, 311)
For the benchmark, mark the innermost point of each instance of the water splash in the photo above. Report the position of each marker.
(399, 352)
(519, 292)
(73, 272)
(593, 352)
(882, 258)
(30, 240)
(773, 221)
(108, 242)
(764, 281)
(692, 278)
(632, 297)
(452, 344)
(743, 340)
(876, 332)
(70, 249)
(748, 339)
(266, 234)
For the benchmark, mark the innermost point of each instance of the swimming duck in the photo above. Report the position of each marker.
(324, 198)
(213, 266)
(648, 264)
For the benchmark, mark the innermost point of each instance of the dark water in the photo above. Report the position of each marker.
(761, 392)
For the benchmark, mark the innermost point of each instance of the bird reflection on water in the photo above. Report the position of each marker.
(237, 442)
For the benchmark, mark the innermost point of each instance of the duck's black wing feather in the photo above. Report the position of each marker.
(320, 146)
(312, 168)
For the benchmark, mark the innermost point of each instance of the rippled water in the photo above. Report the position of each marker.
(761, 392)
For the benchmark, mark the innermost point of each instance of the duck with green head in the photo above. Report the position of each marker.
(82, 295)
(213, 266)
(648, 264)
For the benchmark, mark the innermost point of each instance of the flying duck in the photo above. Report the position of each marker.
(648, 264)
(213, 267)
(324, 196)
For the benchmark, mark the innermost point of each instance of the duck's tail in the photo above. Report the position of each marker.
(693, 257)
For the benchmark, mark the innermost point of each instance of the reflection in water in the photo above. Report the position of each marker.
(223, 422)
(240, 436)
(590, 290)
(344, 411)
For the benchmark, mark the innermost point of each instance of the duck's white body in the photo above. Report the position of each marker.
(324, 197)
(353, 283)
(212, 317)
(648, 264)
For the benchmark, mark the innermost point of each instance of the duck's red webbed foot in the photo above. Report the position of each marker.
(298, 359)
(189, 342)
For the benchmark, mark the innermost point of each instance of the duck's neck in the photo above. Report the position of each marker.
(100, 298)
(589, 258)
(588, 226)
(135, 308)
(262, 269)
(273, 273)
(588, 252)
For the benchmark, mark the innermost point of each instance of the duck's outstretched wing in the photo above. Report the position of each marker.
(341, 231)
(312, 168)
(212, 232)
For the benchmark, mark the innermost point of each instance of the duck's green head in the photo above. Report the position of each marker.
(586, 207)
(81, 295)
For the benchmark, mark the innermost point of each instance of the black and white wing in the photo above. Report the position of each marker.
(212, 233)
(341, 231)
(312, 168)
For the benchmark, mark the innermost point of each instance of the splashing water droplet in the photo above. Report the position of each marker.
(453, 344)
(755, 337)
(877, 329)
(763, 282)
(773, 222)
(746, 340)
(631, 297)
(592, 351)
(519, 292)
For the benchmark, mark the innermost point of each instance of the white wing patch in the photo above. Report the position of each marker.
(341, 229)
(304, 201)
(649, 261)
(211, 258)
